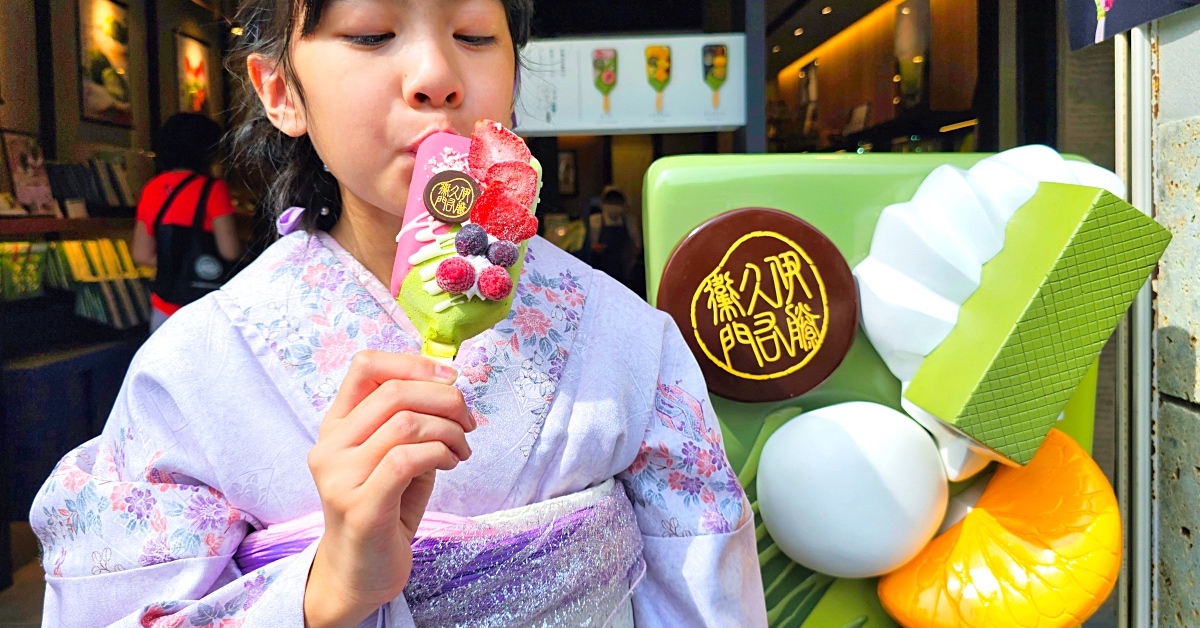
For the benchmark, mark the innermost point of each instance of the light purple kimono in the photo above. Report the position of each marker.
(208, 442)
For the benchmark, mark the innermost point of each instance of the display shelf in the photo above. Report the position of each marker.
(42, 225)
(47, 324)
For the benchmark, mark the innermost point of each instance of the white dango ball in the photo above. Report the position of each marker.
(854, 490)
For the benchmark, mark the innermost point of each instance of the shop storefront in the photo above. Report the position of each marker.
(766, 172)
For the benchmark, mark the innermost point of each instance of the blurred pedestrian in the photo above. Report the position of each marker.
(185, 224)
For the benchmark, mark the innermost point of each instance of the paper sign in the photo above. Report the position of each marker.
(633, 85)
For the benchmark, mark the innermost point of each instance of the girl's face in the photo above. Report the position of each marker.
(381, 75)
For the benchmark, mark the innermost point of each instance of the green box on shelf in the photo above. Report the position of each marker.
(1074, 258)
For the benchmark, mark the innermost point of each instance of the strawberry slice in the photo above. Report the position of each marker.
(503, 218)
(491, 144)
(515, 179)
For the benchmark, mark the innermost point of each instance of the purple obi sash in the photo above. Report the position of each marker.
(568, 561)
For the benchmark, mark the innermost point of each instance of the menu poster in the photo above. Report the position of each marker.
(1093, 21)
(581, 86)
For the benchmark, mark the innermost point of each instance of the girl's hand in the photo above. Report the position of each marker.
(395, 421)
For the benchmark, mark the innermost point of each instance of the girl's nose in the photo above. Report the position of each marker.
(435, 81)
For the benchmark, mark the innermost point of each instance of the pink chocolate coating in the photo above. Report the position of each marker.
(431, 159)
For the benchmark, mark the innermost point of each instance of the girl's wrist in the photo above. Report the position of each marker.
(326, 604)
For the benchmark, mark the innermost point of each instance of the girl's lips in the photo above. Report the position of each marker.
(411, 149)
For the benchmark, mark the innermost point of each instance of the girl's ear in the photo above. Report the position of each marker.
(276, 95)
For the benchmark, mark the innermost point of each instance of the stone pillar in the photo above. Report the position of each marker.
(1177, 322)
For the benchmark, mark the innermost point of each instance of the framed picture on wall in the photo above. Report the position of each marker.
(104, 62)
(858, 119)
(27, 172)
(193, 61)
(567, 173)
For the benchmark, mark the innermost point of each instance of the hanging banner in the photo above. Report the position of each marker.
(1093, 21)
(633, 85)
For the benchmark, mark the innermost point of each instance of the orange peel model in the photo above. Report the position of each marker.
(1041, 549)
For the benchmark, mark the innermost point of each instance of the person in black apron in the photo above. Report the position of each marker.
(613, 244)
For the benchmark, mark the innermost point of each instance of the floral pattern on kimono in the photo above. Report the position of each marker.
(162, 499)
(681, 468)
(108, 510)
(508, 374)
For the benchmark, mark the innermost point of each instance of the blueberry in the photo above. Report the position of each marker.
(502, 253)
(471, 240)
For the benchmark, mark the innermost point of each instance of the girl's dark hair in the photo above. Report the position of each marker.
(187, 141)
(289, 166)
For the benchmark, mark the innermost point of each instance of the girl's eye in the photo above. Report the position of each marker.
(369, 40)
(472, 40)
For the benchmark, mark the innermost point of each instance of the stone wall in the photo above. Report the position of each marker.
(1177, 322)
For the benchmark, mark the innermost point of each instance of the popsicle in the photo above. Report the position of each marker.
(466, 227)
(716, 58)
(658, 71)
(604, 72)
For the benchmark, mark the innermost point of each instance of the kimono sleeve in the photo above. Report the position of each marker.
(697, 529)
(127, 542)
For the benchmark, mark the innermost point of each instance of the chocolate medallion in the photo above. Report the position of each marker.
(766, 302)
(450, 195)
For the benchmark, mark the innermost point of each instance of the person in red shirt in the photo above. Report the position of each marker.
(187, 145)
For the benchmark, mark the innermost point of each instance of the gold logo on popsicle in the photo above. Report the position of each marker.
(450, 195)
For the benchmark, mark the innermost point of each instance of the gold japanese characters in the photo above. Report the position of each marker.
(763, 312)
(773, 316)
(450, 195)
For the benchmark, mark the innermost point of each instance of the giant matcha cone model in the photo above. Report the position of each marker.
(466, 227)
(991, 293)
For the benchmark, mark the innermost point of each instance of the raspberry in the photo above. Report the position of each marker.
(491, 144)
(502, 253)
(495, 284)
(518, 180)
(471, 240)
(455, 275)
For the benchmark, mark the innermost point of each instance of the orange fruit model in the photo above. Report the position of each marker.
(1041, 549)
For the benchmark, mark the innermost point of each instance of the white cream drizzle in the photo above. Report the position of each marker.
(448, 303)
(435, 246)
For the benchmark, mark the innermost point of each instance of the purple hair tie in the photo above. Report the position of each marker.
(289, 220)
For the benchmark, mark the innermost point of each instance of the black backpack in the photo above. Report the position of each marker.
(189, 262)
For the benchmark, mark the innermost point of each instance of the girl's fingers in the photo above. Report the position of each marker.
(400, 467)
(415, 500)
(396, 396)
(370, 369)
(405, 428)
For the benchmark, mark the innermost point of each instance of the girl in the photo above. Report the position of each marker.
(271, 458)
